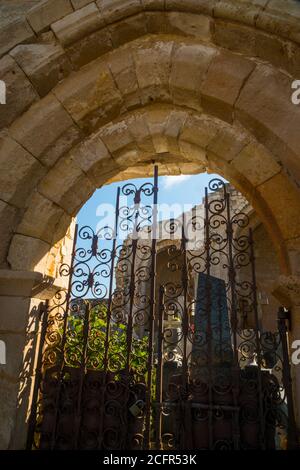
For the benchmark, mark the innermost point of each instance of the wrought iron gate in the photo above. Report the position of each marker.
(130, 361)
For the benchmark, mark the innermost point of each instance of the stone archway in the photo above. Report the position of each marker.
(97, 91)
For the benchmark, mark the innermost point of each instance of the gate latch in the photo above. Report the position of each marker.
(137, 407)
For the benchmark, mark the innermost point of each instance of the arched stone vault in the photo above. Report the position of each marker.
(180, 141)
(207, 97)
(98, 90)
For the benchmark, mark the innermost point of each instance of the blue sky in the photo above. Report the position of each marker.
(186, 189)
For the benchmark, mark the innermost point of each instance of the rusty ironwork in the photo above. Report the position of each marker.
(132, 361)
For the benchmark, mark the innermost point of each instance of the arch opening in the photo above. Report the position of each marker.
(155, 307)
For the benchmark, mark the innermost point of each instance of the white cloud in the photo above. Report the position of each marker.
(171, 181)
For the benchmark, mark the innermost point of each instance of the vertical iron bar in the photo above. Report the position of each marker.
(292, 433)
(43, 310)
(185, 319)
(82, 372)
(152, 310)
(129, 332)
(232, 283)
(132, 292)
(258, 346)
(220, 326)
(208, 317)
(159, 377)
(113, 257)
(64, 337)
(185, 332)
(109, 311)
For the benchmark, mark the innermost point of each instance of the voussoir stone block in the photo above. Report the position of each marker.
(284, 200)
(20, 93)
(223, 82)
(91, 96)
(128, 29)
(74, 191)
(122, 67)
(173, 128)
(19, 171)
(265, 106)
(83, 35)
(78, 24)
(229, 142)
(51, 186)
(44, 64)
(243, 11)
(46, 130)
(8, 221)
(77, 4)
(41, 218)
(124, 175)
(153, 4)
(189, 64)
(130, 157)
(90, 152)
(152, 61)
(64, 231)
(256, 163)
(27, 253)
(234, 36)
(159, 23)
(157, 119)
(180, 23)
(281, 18)
(199, 130)
(94, 159)
(293, 64)
(192, 152)
(138, 127)
(117, 138)
(114, 10)
(277, 51)
(90, 48)
(188, 168)
(194, 6)
(175, 122)
(46, 12)
(14, 33)
(189, 24)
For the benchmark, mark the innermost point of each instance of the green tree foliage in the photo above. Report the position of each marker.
(93, 350)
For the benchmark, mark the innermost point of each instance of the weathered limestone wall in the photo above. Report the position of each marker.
(97, 90)
(21, 293)
(15, 294)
